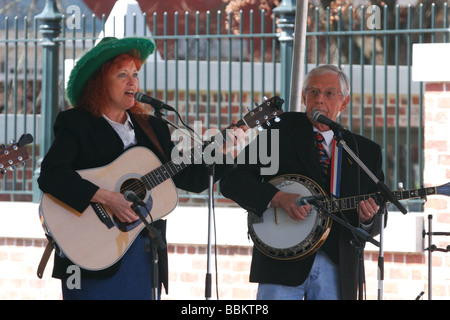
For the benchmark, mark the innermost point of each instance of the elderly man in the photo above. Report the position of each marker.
(330, 272)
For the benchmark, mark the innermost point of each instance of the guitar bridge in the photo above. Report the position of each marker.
(102, 214)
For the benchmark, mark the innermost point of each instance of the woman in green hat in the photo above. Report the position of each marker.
(104, 122)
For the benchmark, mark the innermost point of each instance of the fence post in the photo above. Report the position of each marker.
(50, 28)
(286, 23)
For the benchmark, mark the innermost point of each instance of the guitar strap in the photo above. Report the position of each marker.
(145, 125)
(45, 256)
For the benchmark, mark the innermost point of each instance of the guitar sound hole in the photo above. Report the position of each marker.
(138, 187)
(135, 185)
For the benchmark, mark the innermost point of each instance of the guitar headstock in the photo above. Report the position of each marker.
(262, 114)
(15, 153)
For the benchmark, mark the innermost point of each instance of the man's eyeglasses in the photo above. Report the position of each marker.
(328, 94)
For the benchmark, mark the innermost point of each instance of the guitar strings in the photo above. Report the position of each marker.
(163, 171)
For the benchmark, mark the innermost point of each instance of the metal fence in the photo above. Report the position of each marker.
(213, 73)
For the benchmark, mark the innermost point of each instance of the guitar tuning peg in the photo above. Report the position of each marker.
(277, 119)
(12, 141)
(260, 128)
(2, 146)
(248, 109)
(265, 98)
(400, 186)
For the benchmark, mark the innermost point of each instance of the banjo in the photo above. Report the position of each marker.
(278, 236)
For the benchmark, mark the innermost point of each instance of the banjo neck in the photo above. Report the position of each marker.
(349, 203)
(278, 236)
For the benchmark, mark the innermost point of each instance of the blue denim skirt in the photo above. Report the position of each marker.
(133, 281)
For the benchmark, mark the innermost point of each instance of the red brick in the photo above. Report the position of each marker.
(398, 273)
(434, 86)
(419, 259)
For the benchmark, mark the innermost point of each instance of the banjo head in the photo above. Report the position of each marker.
(279, 236)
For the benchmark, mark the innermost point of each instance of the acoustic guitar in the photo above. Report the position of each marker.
(95, 239)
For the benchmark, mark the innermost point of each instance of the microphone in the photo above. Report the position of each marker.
(144, 98)
(132, 197)
(303, 201)
(317, 116)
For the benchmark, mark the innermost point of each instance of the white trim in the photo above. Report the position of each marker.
(189, 225)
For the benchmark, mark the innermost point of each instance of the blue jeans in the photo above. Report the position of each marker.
(322, 283)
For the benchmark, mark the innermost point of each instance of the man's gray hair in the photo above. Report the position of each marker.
(329, 68)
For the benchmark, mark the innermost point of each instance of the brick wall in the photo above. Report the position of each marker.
(382, 111)
(19, 259)
(437, 172)
(188, 269)
(406, 275)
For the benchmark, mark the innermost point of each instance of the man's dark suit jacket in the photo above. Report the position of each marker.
(297, 155)
(83, 141)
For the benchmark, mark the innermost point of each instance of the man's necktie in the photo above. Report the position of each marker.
(322, 154)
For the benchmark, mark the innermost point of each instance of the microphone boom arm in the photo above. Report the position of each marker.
(384, 190)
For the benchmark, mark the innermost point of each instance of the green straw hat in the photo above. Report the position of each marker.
(107, 49)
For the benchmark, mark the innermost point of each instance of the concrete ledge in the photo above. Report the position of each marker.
(403, 233)
(189, 225)
(20, 220)
(186, 224)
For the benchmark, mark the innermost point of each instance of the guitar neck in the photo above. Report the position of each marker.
(258, 117)
(171, 168)
(349, 203)
(192, 156)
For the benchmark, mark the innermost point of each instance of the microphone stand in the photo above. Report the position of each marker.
(358, 232)
(386, 194)
(382, 212)
(430, 249)
(384, 190)
(157, 244)
(211, 215)
(211, 169)
(357, 244)
(158, 113)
